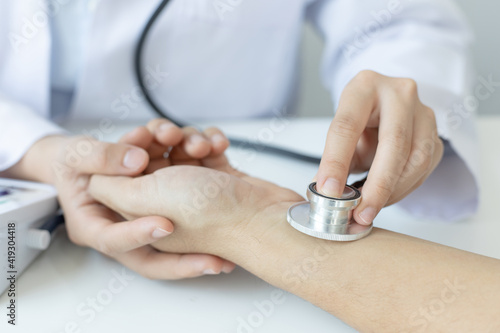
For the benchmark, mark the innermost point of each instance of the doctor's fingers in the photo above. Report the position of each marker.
(143, 138)
(184, 154)
(365, 151)
(426, 154)
(115, 238)
(218, 139)
(128, 242)
(195, 145)
(89, 156)
(401, 128)
(96, 226)
(157, 265)
(140, 137)
(157, 138)
(356, 105)
(165, 132)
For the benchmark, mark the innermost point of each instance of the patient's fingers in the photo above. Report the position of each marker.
(157, 265)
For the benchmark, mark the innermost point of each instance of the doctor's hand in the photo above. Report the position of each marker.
(169, 145)
(382, 126)
(68, 163)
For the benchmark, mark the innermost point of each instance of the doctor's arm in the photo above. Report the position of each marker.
(40, 151)
(385, 282)
(397, 70)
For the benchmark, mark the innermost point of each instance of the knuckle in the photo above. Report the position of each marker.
(384, 188)
(407, 87)
(426, 154)
(104, 248)
(336, 165)
(420, 160)
(101, 156)
(365, 83)
(344, 126)
(367, 76)
(212, 131)
(155, 122)
(430, 115)
(190, 130)
(398, 138)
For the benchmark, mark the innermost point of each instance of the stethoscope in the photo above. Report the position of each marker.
(321, 216)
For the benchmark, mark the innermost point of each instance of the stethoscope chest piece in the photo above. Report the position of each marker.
(328, 218)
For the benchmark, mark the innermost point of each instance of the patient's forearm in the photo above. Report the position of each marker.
(385, 282)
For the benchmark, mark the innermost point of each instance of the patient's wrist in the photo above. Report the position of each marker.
(253, 237)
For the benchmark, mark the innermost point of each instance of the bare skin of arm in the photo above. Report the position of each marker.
(386, 282)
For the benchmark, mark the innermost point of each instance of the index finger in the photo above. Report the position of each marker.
(355, 107)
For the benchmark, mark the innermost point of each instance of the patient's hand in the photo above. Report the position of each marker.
(169, 145)
(206, 205)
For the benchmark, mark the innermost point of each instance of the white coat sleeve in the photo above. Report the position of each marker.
(428, 41)
(20, 128)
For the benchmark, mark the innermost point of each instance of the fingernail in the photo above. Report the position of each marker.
(332, 188)
(368, 215)
(196, 139)
(160, 233)
(218, 138)
(209, 272)
(166, 127)
(134, 159)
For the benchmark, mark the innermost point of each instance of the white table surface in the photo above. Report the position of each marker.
(66, 276)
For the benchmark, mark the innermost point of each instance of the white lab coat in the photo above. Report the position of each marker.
(238, 59)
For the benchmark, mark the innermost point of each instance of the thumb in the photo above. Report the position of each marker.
(87, 155)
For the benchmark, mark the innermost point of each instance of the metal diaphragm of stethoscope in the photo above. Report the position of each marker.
(328, 218)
